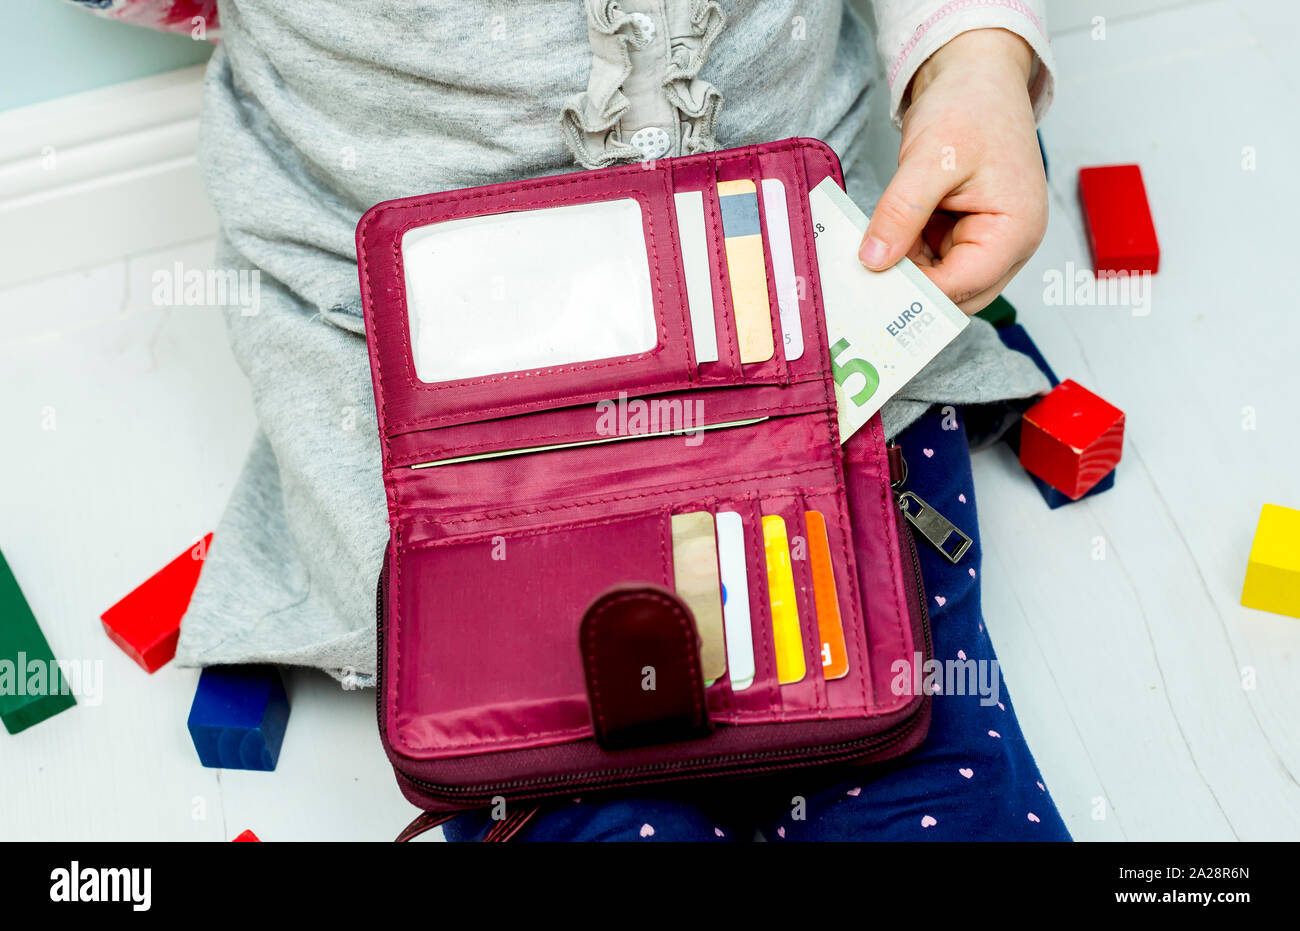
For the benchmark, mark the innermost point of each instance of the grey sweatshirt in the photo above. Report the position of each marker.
(312, 113)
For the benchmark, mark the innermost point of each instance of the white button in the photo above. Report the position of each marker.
(651, 142)
(644, 24)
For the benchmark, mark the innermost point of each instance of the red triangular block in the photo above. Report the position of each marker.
(247, 837)
(147, 623)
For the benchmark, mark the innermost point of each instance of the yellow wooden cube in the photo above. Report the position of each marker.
(1273, 575)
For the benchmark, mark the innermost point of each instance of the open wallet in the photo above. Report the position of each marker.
(627, 546)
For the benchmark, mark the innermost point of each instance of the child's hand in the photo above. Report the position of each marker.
(968, 203)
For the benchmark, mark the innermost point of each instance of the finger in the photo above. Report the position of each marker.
(921, 253)
(980, 248)
(904, 209)
(978, 302)
(937, 235)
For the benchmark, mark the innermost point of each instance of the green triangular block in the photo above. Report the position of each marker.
(1000, 313)
(31, 686)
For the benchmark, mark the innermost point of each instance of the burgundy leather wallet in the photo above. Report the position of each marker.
(528, 584)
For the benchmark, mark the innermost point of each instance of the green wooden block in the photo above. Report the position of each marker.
(31, 686)
(1000, 313)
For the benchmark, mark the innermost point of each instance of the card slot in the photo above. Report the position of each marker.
(722, 461)
(483, 650)
(808, 693)
(734, 580)
(763, 697)
(694, 189)
(775, 319)
(692, 239)
(854, 689)
(730, 701)
(755, 697)
(728, 368)
(745, 169)
(787, 166)
(697, 582)
(719, 694)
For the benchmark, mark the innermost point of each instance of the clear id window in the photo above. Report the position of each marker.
(513, 292)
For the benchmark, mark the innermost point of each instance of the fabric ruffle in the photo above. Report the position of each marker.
(591, 119)
(697, 100)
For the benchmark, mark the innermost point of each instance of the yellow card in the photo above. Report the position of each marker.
(743, 237)
(786, 635)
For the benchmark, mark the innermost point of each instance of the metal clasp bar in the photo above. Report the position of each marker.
(934, 527)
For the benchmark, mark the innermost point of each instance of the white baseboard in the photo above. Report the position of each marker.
(92, 177)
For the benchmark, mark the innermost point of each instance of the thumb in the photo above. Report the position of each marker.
(900, 216)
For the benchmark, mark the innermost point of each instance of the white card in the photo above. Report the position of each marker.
(777, 214)
(735, 599)
(883, 327)
(699, 285)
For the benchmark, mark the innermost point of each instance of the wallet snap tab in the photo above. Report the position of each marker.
(641, 658)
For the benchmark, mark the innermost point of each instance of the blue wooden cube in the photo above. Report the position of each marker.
(1056, 499)
(1015, 337)
(238, 717)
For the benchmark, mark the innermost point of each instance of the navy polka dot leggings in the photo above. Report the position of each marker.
(973, 778)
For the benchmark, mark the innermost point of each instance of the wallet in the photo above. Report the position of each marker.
(612, 465)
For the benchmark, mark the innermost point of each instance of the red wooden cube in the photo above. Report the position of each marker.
(147, 623)
(1071, 439)
(1117, 218)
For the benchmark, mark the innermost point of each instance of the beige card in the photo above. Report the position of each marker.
(695, 577)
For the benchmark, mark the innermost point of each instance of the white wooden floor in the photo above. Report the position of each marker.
(1157, 706)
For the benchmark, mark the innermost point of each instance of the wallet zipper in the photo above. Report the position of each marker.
(732, 764)
(738, 764)
(937, 529)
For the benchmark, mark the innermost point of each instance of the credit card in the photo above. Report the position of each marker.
(695, 579)
(883, 327)
(746, 271)
(830, 627)
(777, 214)
(735, 599)
(786, 635)
(699, 283)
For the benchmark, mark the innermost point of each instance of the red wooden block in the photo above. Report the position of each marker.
(1118, 219)
(147, 623)
(1071, 439)
(247, 837)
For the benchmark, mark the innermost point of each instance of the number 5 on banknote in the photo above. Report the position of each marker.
(841, 372)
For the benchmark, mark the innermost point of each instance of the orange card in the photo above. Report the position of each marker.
(835, 656)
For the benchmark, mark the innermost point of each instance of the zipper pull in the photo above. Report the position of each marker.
(941, 533)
